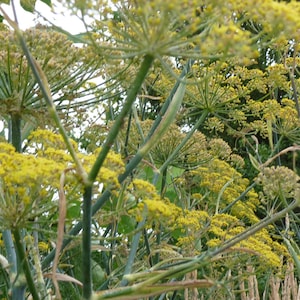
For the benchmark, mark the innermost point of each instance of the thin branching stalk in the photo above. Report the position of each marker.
(172, 270)
(240, 197)
(129, 167)
(131, 96)
(133, 250)
(87, 199)
(258, 226)
(25, 264)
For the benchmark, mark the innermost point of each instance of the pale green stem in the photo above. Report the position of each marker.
(131, 97)
(294, 253)
(34, 253)
(179, 269)
(133, 250)
(240, 197)
(256, 227)
(25, 264)
(129, 167)
(224, 187)
(87, 199)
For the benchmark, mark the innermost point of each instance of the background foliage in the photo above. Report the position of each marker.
(153, 156)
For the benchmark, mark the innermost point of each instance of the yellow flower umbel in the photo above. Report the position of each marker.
(191, 154)
(151, 206)
(260, 245)
(27, 185)
(222, 184)
(29, 181)
(155, 28)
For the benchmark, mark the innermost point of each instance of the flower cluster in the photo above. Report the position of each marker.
(191, 154)
(60, 60)
(28, 184)
(278, 182)
(197, 230)
(223, 185)
(224, 227)
(29, 181)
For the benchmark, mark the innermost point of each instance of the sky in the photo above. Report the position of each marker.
(64, 20)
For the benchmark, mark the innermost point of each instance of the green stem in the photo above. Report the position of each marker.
(240, 197)
(15, 132)
(86, 243)
(18, 287)
(184, 141)
(42, 81)
(87, 199)
(131, 97)
(133, 250)
(256, 227)
(168, 101)
(129, 167)
(25, 264)
(162, 191)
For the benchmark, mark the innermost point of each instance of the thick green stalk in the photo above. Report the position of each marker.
(42, 81)
(129, 167)
(23, 260)
(131, 97)
(86, 244)
(87, 199)
(15, 132)
(18, 287)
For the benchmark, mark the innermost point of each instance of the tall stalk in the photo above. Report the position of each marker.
(15, 132)
(131, 97)
(87, 200)
(129, 167)
(25, 264)
(18, 286)
(86, 243)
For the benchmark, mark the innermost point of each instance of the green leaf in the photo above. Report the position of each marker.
(28, 5)
(74, 210)
(126, 224)
(177, 233)
(48, 2)
(5, 2)
(294, 251)
(98, 274)
(254, 162)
